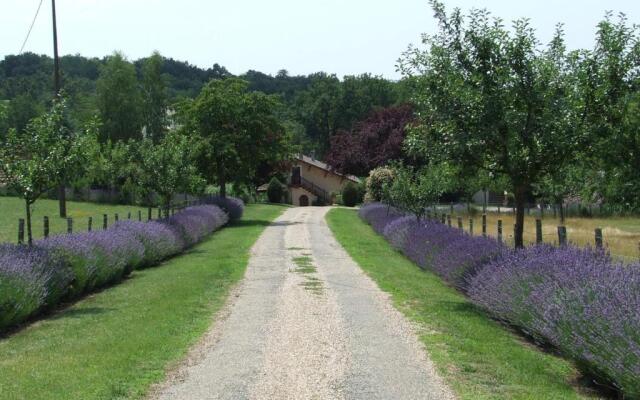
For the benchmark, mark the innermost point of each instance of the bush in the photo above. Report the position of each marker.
(578, 300)
(376, 182)
(37, 278)
(234, 207)
(275, 191)
(351, 194)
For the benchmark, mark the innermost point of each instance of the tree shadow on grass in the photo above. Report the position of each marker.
(80, 312)
(259, 222)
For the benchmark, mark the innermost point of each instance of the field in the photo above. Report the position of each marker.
(621, 234)
(478, 357)
(118, 342)
(12, 208)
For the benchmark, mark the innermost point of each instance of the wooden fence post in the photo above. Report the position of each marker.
(484, 225)
(139, 215)
(89, 226)
(159, 212)
(538, 230)
(449, 220)
(443, 218)
(21, 231)
(46, 226)
(471, 226)
(460, 223)
(116, 218)
(562, 235)
(69, 225)
(500, 230)
(129, 215)
(104, 221)
(149, 214)
(598, 234)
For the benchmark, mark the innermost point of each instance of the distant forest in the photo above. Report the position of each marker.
(316, 107)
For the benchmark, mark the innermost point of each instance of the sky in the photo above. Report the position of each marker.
(302, 36)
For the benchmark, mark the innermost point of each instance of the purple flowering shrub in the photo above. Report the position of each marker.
(578, 300)
(233, 206)
(193, 223)
(31, 279)
(35, 278)
(450, 253)
(159, 241)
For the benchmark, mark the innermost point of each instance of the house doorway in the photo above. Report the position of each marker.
(304, 201)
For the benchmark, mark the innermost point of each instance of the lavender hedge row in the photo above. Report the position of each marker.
(35, 279)
(580, 301)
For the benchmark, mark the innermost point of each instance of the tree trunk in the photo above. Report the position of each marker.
(223, 187)
(520, 200)
(62, 201)
(561, 213)
(29, 234)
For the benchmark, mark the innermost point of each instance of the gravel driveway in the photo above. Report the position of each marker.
(306, 323)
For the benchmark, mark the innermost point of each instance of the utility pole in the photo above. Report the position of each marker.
(62, 200)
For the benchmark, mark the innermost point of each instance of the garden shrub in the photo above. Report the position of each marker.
(233, 206)
(275, 191)
(578, 300)
(36, 278)
(376, 182)
(351, 194)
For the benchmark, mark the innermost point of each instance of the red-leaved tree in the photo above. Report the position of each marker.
(372, 142)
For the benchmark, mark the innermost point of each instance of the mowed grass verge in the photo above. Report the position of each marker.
(12, 209)
(116, 343)
(478, 357)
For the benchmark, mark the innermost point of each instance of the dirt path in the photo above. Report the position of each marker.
(306, 323)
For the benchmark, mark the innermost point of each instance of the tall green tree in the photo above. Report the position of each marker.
(167, 167)
(490, 98)
(239, 130)
(611, 85)
(119, 100)
(43, 157)
(154, 97)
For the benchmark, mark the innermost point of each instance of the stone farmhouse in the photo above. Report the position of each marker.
(312, 182)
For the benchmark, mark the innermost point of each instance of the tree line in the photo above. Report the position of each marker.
(495, 108)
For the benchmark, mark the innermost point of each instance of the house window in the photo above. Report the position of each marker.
(295, 176)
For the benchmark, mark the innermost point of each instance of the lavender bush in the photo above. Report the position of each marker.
(31, 279)
(233, 206)
(451, 253)
(67, 266)
(578, 300)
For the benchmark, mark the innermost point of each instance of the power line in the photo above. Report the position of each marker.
(31, 27)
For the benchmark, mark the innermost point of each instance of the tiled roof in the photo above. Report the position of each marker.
(326, 167)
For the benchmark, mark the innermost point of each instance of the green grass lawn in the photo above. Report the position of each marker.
(116, 343)
(12, 208)
(478, 357)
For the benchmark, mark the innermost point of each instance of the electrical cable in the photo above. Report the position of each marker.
(31, 27)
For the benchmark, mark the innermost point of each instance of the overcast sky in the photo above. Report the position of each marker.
(302, 36)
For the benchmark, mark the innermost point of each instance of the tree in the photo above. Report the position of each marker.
(167, 167)
(40, 159)
(119, 100)
(415, 189)
(239, 130)
(275, 191)
(490, 99)
(372, 142)
(154, 97)
(611, 85)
